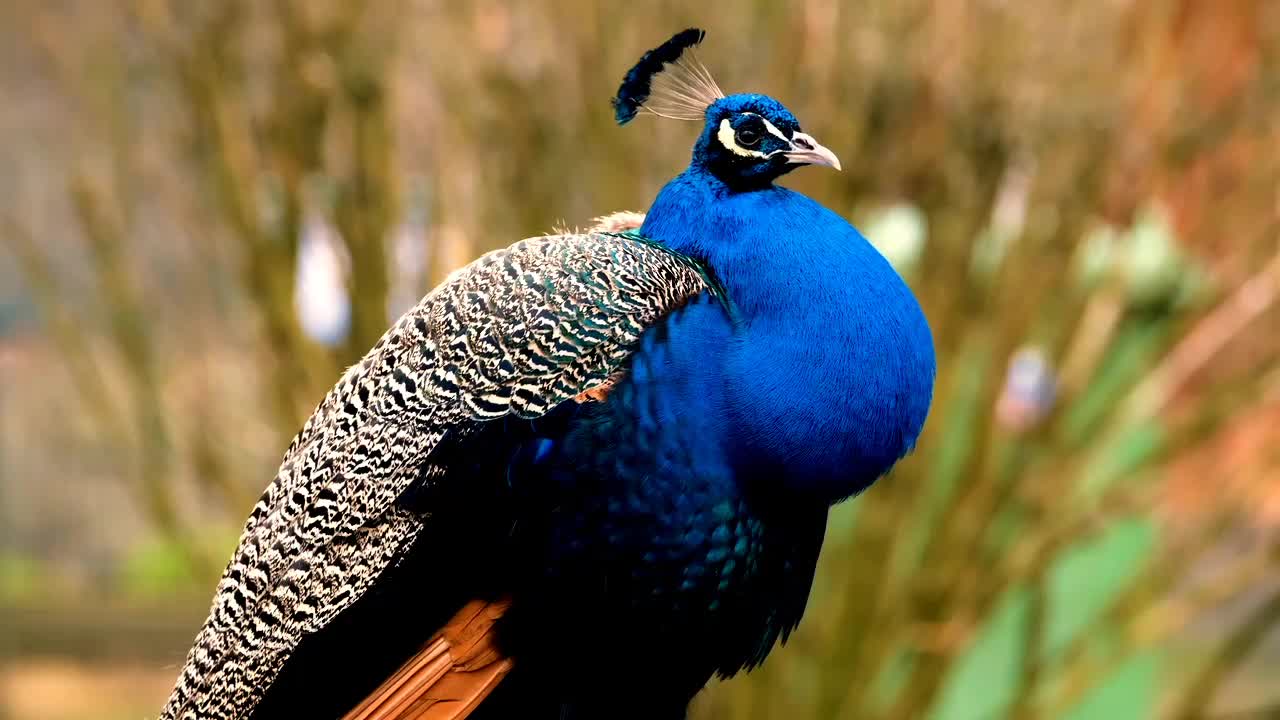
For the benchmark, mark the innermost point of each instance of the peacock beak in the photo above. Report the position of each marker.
(806, 151)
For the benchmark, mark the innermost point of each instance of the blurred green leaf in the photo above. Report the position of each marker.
(1133, 352)
(983, 681)
(1130, 692)
(1120, 457)
(1086, 578)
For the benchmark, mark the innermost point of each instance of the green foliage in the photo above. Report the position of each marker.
(1087, 577)
(160, 568)
(156, 569)
(21, 578)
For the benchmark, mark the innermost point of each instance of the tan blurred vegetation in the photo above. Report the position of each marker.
(1086, 189)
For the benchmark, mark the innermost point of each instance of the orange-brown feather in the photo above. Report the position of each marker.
(449, 677)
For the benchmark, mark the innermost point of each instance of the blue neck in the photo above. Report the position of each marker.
(832, 381)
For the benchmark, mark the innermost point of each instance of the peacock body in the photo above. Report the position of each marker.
(634, 438)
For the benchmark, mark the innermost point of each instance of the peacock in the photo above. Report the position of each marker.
(590, 471)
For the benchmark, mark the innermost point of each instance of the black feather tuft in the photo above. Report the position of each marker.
(635, 86)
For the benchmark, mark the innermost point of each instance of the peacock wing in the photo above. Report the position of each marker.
(515, 333)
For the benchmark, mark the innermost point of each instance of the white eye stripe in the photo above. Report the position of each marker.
(770, 127)
(727, 139)
(773, 130)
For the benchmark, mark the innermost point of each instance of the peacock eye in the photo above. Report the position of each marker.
(748, 137)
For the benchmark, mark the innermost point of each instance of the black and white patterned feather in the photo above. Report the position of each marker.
(515, 333)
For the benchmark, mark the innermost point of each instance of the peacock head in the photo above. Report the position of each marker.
(747, 140)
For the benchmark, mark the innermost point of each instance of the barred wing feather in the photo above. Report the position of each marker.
(516, 332)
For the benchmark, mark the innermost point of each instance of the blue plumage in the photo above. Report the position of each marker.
(834, 364)
(762, 362)
(688, 510)
(646, 548)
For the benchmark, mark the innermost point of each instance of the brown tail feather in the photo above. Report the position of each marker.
(449, 677)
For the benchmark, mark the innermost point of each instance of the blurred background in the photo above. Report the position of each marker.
(207, 210)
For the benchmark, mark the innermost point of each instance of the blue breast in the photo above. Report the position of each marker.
(830, 372)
